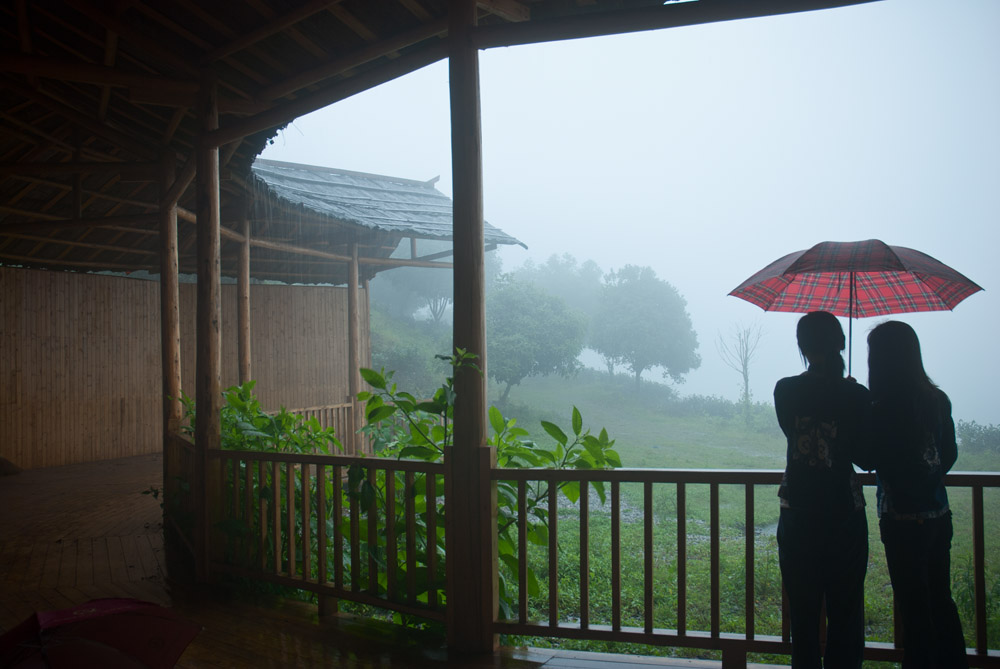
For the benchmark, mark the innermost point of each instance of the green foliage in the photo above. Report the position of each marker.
(246, 427)
(978, 438)
(578, 285)
(404, 427)
(530, 333)
(408, 347)
(643, 323)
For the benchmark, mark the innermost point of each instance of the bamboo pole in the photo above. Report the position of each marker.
(354, 348)
(243, 304)
(208, 365)
(471, 517)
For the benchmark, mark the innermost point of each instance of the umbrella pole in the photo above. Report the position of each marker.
(850, 328)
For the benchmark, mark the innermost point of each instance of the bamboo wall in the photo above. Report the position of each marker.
(80, 359)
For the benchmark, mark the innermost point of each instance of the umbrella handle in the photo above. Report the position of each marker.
(850, 327)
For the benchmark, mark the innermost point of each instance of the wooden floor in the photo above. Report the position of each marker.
(74, 533)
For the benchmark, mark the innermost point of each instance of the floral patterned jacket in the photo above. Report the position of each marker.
(826, 421)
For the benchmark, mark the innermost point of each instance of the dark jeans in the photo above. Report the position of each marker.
(918, 554)
(824, 555)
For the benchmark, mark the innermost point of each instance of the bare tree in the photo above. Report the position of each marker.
(738, 352)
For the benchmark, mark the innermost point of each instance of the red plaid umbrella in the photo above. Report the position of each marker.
(856, 280)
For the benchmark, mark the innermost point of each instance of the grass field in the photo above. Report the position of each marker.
(654, 428)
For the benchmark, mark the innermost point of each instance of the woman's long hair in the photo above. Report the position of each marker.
(821, 339)
(895, 366)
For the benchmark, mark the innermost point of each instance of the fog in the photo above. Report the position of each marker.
(708, 152)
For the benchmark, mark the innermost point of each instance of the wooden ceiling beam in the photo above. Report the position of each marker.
(144, 43)
(102, 130)
(352, 60)
(140, 220)
(510, 10)
(110, 56)
(128, 171)
(101, 75)
(273, 27)
(672, 15)
(282, 114)
(62, 241)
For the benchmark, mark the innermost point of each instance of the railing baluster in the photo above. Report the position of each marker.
(391, 554)
(553, 555)
(714, 511)
(647, 552)
(355, 513)
(372, 512)
(411, 539)
(248, 510)
(262, 516)
(751, 537)
(616, 557)
(276, 512)
(321, 573)
(584, 555)
(290, 512)
(522, 552)
(306, 522)
(432, 594)
(338, 530)
(681, 558)
(979, 562)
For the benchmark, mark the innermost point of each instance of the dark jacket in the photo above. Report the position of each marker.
(915, 447)
(826, 421)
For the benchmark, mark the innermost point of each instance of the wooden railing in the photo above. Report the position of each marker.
(181, 460)
(342, 527)
(354, 528)
(341, 418)
(719, 634)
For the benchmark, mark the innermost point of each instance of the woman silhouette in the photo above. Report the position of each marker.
(915, 447)
(822, 529)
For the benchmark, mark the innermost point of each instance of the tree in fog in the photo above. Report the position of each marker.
(577, 284)
(530, 333)
(642, 322)
(738, 351)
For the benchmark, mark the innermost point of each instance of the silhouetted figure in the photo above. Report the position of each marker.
(822, 529)
(914, 448)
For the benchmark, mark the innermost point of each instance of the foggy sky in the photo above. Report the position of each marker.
(708, 152)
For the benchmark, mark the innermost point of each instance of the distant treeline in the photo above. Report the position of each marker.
(978, 438)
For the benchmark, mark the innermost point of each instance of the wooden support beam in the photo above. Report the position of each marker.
(170, 326)
(208, 365)
(281, 114)
(672, 15)
(243, 304)
(183, 180)
(354, 348)
(471, 531)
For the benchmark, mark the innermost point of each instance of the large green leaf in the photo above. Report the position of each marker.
(380, 413)
(373, 378)
(577, 421)
(555, 432)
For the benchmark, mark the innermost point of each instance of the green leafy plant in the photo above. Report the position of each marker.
(404, 427)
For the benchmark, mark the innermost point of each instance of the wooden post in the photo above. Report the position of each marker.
(208, 402)
(470, 504)
(170, 324)
(243, 304)
(354, 350)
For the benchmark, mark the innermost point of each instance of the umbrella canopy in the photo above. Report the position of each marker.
(101, 633)
(856, 280)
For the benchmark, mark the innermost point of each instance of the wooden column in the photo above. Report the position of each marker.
(354, 350)
(208, 400)
(170, 324)
(471, 507)
(243, 304)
